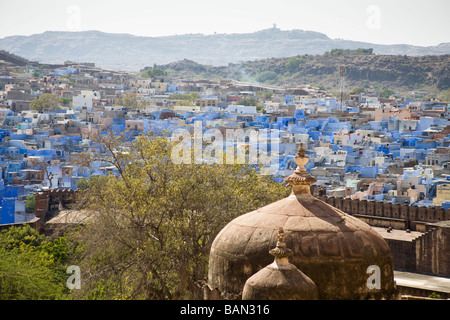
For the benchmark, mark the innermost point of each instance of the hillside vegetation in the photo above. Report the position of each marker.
(362, 68)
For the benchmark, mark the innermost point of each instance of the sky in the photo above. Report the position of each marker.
(422, 23)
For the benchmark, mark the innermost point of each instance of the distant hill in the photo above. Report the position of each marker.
(132, 53)
(391, 71)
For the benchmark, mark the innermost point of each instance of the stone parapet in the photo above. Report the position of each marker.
(383, 214)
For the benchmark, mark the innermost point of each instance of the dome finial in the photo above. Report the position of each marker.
(280, 280)
(281, 251)
(301, 176)
(301, 159)
(301, 150)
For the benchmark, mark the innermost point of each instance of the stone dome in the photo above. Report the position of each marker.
(334, 249)
(280, 280)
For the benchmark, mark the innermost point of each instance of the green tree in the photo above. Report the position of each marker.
(434, 295)
(45, 101)
(249, 101)
(265, 94)
(357, 90)
(364, 51)
(293, 63)
(30, 203)
(130, 100)
(83, 184)
(66, 102)
(252, 101)
(155, 72)
(267, 76)
(386, 93)
(71, 81)
(31, 265)
(152, 226)
(142, 104)
(445, 95)
(188, 99)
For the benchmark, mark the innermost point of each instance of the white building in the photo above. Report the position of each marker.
(329, 157)
(241, 109)
(84, 99)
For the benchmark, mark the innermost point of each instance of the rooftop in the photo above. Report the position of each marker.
(69, 217)
(394, 234)
(422, 281)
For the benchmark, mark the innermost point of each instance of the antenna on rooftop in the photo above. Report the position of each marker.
(342, 79)
(274, 25)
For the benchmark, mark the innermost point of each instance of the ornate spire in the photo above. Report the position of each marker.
(280, 280)
(301, 177)
(281, 251)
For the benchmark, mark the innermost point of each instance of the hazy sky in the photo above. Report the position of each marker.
(377, 21)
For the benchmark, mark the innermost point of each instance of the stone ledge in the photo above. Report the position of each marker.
(378, 221)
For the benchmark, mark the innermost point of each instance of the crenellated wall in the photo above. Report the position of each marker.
(51, 200)
(433, 250)
(46, 203)
(428, 253)
(386, 214)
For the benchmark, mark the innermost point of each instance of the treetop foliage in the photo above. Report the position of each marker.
(339, 52)
(149, 229)
(155, 72)
(32, 265)
(45, 101)
(152, 226)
